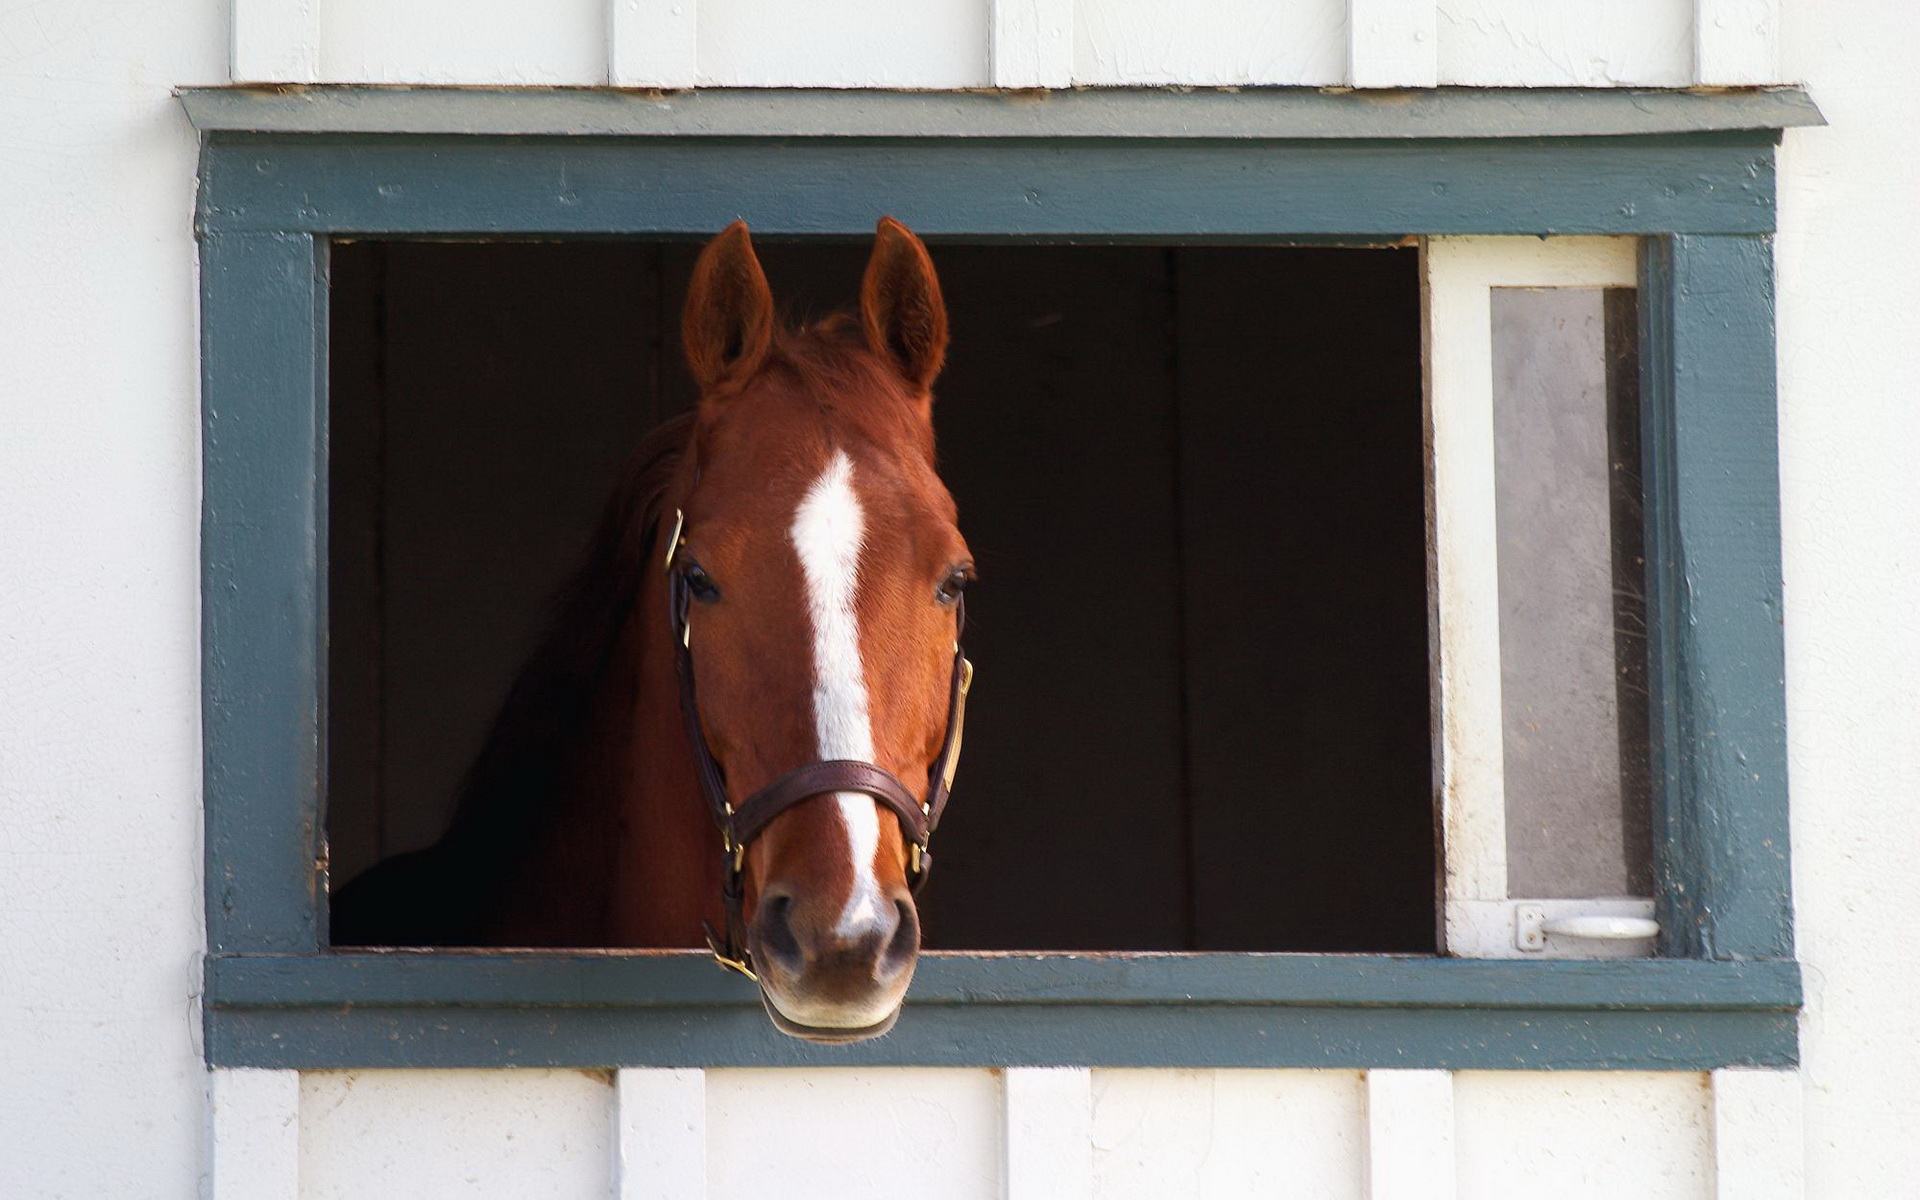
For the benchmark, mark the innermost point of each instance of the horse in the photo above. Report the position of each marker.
(764, 636)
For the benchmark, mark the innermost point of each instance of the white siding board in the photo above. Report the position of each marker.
(1030, 44)
(1228, 1134)
(1849, 278)
(1583, 1135)
(106, 1094)
(253, 1134)
(1759, 1135)
(1410, 1136)
(1392, 43)
(660, 1133)
(1567, 43)
(854, 1134)
(454, 1135)
(546, 43)
(843, 43)
(275, 41)
(1220, 43)
(653, 43)
(1736, 42)
(1049, 1133)
(103, 1092)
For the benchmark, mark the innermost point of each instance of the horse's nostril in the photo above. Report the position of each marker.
(905, 942)
(775, 922)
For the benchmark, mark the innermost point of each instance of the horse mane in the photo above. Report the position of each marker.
(449, 893)
(553, 693)
(427, 897)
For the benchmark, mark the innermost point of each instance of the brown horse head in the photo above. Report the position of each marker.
(822, 569)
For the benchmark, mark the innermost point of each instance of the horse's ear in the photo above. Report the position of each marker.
(900, 306)
(728, 325)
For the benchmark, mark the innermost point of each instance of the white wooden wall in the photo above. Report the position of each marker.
(102, 1092)
(1008, 43)
(1052, 1134)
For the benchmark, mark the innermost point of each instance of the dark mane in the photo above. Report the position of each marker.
(418, 899)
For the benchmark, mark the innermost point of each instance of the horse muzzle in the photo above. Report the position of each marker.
(830, 980)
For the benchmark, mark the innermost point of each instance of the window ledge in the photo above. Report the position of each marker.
(614, 1009)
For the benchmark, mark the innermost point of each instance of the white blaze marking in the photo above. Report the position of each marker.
(827, 532)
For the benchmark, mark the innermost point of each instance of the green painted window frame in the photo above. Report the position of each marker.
(1692, 175)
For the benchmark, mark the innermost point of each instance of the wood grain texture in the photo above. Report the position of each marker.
(1030, 43)
(1392, 44)
(1573, 43)
(1227, 1133)
(677, 1010)
(653, 43)
(262, 543)
(502, 1135)
(506, 43)
(671, 979)
(1759, 1135)
(274, 41)
(1579, 1135)
(660, 1133)
(1126, 114)
(1717, 677)
(1048, 1133)
(1170, 190)
(1410, 1153)
(253, 1134)
(1736, 43)
(1220, 43)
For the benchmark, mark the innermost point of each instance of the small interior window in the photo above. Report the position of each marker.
(1193, 482)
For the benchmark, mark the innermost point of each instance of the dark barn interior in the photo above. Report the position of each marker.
(1192, 479)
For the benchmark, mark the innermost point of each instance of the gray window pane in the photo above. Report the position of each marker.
(1572, 604)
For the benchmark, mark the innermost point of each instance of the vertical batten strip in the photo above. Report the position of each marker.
(1410, 1136)
(274, 41)
(1392, 43)
(1736, 43)
(1759, 1135)
(659, 1133)
(1048, 1115)
(1030, 43)
(653, 43)
(253, 1134)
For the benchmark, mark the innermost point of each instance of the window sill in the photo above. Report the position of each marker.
(627, 1009)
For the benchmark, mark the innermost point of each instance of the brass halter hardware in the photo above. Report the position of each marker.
(674, 543)
(918, 816)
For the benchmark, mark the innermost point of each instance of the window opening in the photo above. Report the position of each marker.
(1193, 481)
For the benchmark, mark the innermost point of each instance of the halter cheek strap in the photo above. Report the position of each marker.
(739, 826)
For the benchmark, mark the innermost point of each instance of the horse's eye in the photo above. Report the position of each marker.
(950, 588)
(701, 584)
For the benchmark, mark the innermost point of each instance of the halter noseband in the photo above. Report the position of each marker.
(739, 826)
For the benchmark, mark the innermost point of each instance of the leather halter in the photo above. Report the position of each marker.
(740, 825)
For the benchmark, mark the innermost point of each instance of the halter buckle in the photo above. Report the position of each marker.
(673, 543)
(743, 965)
